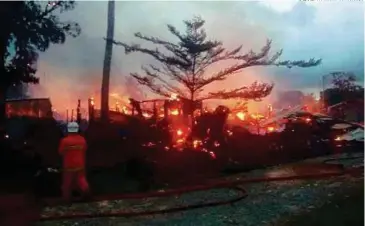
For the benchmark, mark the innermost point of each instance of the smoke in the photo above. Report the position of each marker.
(73, 71)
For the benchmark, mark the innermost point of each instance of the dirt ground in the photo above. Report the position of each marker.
(334, 201)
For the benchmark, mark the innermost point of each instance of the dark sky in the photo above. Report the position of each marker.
(333, 31)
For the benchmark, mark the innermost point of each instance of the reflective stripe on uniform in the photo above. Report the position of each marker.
(73, 169)
(73, 147)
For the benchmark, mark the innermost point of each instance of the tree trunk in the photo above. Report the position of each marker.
(107, 62)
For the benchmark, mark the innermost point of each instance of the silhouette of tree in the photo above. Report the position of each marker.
(28, 27)
(184, 66)
(344, 89)
(345, 81)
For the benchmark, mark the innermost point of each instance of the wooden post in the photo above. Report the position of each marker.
(117, 109)
(91, 109)
(78, 114)
(72, 115)
(166, 109)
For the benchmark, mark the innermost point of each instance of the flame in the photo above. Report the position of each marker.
(270, 129)
(338, 139)
(179, 132)
(308, 120)
(197, 143)
(174, 112)
(174, 96)
(147, 115)
(257, 116)
(241, 115)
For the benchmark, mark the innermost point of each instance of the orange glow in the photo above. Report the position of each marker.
(197, 143)
(173, 96)
(338, 139)
(308, 120)
(179, 132)
(241, 115)
(270, 129)
(257, 116)
(92, 101)
(146, 115)
(174, 112)
(125, 110)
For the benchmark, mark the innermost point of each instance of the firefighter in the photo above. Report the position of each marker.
(72, 149)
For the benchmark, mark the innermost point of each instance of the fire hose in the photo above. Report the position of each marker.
(353, 171)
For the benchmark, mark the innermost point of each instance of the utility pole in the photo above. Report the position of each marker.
(107, 62)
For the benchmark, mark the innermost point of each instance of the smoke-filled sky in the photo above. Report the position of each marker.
(333, 31)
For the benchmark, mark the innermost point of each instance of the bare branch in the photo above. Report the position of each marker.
(150, 84)
(256, 92)
(166, 85)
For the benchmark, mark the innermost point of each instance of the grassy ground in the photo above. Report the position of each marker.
(345, 208)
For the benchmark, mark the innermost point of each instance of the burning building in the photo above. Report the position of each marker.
(348, 110)
(37, 108)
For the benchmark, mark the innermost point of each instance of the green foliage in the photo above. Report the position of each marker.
(27, 28)
(184, 64)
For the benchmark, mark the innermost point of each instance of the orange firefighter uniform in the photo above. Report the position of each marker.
(72, 148)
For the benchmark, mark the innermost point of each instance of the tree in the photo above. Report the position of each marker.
(107, 62)
(344, 88)
(28, 27)
(344, 81)
(184, 69)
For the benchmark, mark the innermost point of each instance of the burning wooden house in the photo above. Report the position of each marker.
(36, 108)
(348, 110)
(158, 108)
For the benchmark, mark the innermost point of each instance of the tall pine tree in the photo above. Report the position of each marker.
(184, 64)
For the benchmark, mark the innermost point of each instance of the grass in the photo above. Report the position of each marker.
(345, 208)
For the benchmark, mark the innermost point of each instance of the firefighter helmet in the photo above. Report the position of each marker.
(72, 127)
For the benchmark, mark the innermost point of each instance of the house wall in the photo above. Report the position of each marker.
(38, 108)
